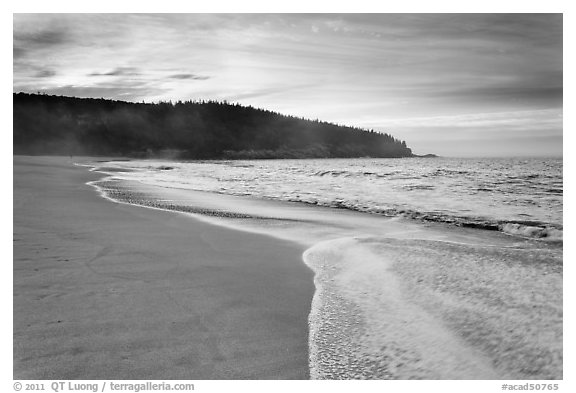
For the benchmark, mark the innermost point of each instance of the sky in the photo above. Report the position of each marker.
(449, 84)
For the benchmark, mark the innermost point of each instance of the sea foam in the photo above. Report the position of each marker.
(531, 231)
(363, 327)
(427, 309)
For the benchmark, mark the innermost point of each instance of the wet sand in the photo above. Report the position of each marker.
(112, 291)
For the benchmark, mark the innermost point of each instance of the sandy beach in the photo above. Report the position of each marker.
(212, 286)
(112, 291)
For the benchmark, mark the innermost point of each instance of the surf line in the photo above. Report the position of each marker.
(362, 326)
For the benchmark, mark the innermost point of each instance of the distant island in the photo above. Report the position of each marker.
(57, 125)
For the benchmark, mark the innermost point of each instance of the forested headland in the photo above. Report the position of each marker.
(56, 125)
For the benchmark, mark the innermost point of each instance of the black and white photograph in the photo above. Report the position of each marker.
(287, 196)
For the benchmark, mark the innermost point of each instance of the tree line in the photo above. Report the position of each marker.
(58, 125)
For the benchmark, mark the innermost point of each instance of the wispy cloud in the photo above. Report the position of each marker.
(518, 120)
(18, 52)
(45, 73)
(118, 71)
(125, 93)
(49, 36)
(189, 76)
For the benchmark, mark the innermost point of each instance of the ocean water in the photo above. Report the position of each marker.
(424, 268)
(520, 196)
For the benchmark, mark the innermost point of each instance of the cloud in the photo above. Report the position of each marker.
(189, 76)
(18, 53)
(117, 89)
(46, 37)
(118, 71)
(27, 43)
(549, 96)
(47, 73)
(517, 120)
(266, 92)
(124, 93)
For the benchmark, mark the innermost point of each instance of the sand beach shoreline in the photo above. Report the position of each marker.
(113, 291)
